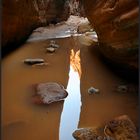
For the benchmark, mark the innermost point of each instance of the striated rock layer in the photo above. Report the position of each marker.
(116, 24)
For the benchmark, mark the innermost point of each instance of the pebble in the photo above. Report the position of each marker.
(50, 49)
(31, 61)
(93, 90)
(122, 88)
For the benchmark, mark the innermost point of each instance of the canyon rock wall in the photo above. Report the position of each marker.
(76, 7)
(116, 23)
(20, 17)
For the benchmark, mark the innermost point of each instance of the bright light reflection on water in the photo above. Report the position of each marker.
(72, 105)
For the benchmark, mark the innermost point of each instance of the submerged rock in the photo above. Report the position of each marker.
(121, 128)
(33, 61)
(47, 93)
(50, 49)
(122, 88)
(93, 90)
(53, 44)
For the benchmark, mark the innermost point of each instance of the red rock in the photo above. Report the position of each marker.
(121, 128)
(47, 93)
(116, 24)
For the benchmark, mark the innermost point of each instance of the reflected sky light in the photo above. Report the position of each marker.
(72, 105)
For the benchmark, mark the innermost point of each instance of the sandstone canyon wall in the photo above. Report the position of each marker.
(116, 23)
(20, 17)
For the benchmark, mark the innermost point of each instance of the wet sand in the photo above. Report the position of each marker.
(21, 119)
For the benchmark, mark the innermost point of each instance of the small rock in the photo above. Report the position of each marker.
(88, 39)
(122, 88)
(50, 49)
(93, 90)
(53, 44)
(47, 93)
(121, 128)
(86, 134)
(31, 61)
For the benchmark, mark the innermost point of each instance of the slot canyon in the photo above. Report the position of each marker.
(70, 69)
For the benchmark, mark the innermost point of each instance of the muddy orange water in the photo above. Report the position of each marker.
(23, 120)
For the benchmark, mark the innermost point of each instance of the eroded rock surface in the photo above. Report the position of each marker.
(116, 23)
(121, 128)
(47, 93)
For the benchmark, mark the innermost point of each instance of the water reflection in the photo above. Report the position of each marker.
(72, 106)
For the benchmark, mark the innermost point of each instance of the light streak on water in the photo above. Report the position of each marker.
(72, 105)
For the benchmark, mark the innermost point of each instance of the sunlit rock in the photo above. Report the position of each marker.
(53, 44)
(122, 88)
(47, 93)
(93, 90)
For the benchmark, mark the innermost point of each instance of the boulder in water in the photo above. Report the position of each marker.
(47, 93)
(121, 128)
(33, 61)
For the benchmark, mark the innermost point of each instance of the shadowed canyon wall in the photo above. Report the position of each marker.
(20, 17)
(116, 23)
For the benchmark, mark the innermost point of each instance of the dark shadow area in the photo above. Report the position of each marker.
(127, 73)
(12, 46)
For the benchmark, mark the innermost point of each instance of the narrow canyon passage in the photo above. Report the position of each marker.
(24, 120)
